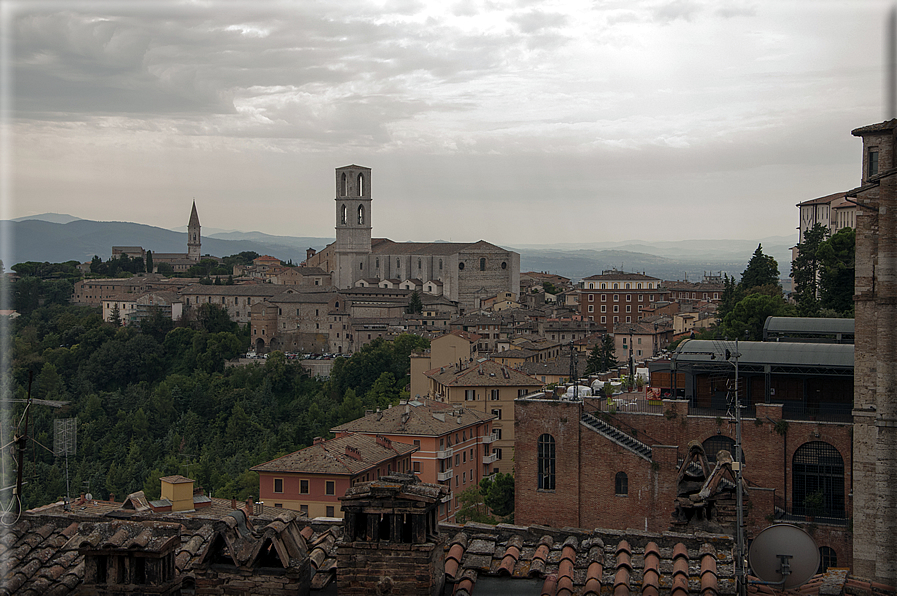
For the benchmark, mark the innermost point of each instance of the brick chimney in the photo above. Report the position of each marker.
(384, 442)
(317, 440)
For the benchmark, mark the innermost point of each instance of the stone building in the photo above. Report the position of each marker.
(875, 381)
(466, 272)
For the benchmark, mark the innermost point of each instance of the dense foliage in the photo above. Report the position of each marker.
(603, 356)
(159, 400)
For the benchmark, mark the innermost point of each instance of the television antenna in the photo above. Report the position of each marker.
(19, 443)
(784, 555)
(65, 442)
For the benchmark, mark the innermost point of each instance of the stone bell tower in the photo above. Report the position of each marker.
(392, 543)
(875, 358)
(194, 237)
(353, 224)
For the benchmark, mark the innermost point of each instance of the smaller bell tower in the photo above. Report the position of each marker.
(194, 238)
(353, 224)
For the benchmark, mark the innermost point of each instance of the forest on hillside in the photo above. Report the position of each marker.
(157, 400)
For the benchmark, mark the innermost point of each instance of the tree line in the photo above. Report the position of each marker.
(157, 399)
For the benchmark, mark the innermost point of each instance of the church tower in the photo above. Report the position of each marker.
(353, 224)
(194, 239)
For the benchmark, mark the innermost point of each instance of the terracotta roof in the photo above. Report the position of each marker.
(176, 479)
(516, 353)
(559, 366)
(824, 200)
(384, 246)
(486, 373)
(421, 417)
(332, 457)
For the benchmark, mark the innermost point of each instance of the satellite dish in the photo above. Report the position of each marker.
(784, 547)
(88, 497)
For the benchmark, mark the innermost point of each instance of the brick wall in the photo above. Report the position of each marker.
(365, 568)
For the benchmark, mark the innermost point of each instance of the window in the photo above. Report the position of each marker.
(342, 186)
(497, 433)
(591, 308)
(603, 308)
(616, 308)
(278, 485)
(343, 212)
(303, 487)
(873, 161)
(818, 469)
(303, 509)
(497, 413)
(330, 487)
(603, 319)
(591, 297)
(440, 264)
(460, 266)
(621, 484)
(470, 395)
(464, 477)
(361, 215)
(330, 511)
(504, 265)
(497, 453)
(482, 264)
(457, 459)
(827, 558)
(546, 462)
(628, 308)
(361, 185)
(416, 467)
(493, 394)
(603, 297)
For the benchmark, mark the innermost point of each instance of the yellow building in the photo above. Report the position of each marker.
(489, 387)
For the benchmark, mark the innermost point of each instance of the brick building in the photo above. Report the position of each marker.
(454, 444)
(490, 387)
(311, 480)
(618, 297)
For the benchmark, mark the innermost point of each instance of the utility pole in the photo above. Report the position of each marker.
(631, 367)
(740, 575)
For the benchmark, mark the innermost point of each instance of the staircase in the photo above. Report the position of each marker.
(617, 436)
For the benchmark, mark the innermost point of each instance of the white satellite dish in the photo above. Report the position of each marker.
(88, 497)
(784, 554)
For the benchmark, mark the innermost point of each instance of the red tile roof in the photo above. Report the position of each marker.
(330, 457)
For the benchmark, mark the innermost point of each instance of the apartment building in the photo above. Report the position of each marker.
(618, 297)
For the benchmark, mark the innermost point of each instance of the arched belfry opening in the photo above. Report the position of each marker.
(344, 185)
(361, 185)
(361, 215)
(343, 217)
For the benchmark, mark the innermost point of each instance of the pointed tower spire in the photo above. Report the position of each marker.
(194, 238)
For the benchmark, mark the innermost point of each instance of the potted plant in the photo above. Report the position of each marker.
(814, 504)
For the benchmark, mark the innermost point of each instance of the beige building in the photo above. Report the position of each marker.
(450, 348)
(489, 387)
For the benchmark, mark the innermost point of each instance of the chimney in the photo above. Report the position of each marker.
(233, 503)
(353, 452)
(384, 442)
(112, 497)
(317, 440)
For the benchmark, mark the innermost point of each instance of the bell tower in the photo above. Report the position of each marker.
(353, 224)
(194, 238)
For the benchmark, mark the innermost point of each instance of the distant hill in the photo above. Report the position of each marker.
(36, 239)
(81, 239)
(60, 218)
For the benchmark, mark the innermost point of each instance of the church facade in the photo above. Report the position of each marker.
(466, 273)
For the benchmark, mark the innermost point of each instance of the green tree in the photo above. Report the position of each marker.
(805, 271)
(115, 319)
(149, 261)
(214, 318)
(498, 494)
(415, 306)
(748, 317)
(837, 257)
(762, 270)
(602, 357)
(473, 508)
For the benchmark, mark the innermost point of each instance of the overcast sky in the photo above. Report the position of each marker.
(517, 122)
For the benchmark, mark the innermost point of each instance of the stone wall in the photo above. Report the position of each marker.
(369, 568)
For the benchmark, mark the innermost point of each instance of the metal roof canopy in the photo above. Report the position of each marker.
(808, 325)
(797, 355)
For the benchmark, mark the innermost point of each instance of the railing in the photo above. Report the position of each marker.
(790, 411)
(627, 403)
(488, 439)
(448, 498)
(593, 406)
(443, 476)
(445, 453)
(747, 411)
(491, 458)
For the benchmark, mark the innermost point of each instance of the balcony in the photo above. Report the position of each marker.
(491, 458)
(488, 439)
(445, 453)
(448, 498)
(445, 476)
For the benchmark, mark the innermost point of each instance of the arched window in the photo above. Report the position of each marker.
(361, 215)
(717, 443)
(377, 262)
(343, 185)
(461, 266)
(343, 212)
(621, 484)
(827, 558)
(440, 264)
(591, 286)
(482, 263)
(603, 286)
(615, 286)
(546, 462)
(818, 471)
(638, 286)
(628, 286)
(361, 185)
(418, 263)
(398, 264)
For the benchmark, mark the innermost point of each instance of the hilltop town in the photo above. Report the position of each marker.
(425, 417)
